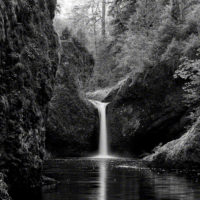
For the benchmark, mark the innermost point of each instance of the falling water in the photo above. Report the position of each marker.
(103, 141)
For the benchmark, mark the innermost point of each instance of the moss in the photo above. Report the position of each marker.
(181, 153)
(27, 73)
(3, 189)
(72, 121)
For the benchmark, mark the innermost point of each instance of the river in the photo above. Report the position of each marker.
(113, 179)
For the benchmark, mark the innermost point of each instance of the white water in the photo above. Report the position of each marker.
(103, 139)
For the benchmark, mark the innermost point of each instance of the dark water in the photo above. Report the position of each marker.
(85, 179)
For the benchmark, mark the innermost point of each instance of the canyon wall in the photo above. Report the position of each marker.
(72, 123)
(150, 116)
(28, 65)
(147, 111)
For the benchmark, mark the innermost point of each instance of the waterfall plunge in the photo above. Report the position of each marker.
(103, 140)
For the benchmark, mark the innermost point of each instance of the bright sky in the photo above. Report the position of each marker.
(66, 5)
(60, 20)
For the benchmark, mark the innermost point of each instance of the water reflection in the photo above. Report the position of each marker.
(115, 179)
(102, 180)
(173, 187)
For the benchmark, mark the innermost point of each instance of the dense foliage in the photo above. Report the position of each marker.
(147, 33)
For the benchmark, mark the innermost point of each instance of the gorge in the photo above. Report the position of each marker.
(144, 59)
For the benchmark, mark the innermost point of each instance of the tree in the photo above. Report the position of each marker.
(90, 18)
(121, 10)
(103, 20)
(189, 72)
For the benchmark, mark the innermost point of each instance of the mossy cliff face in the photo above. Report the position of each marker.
(181, 153)
(149, 117)
(147, 110)
(28, 64)
(72, 121)
(3, 189)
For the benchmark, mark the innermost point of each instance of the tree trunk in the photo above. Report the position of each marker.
(181, 7)
(95, 39)
(103, 19)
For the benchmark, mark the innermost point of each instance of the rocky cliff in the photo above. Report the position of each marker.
(181, 153)
(72, 122)
(151, 116)
(147, 111)
(28, 64)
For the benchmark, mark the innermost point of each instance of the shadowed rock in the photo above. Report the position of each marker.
(181, 153)
(28, 64)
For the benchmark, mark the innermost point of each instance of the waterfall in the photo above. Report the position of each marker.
(103, 140)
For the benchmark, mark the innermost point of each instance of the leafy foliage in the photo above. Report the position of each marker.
(189, 70)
